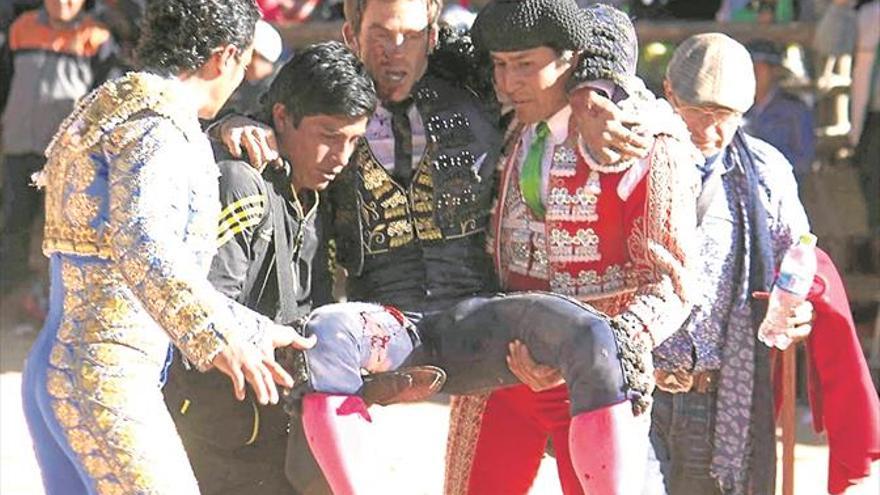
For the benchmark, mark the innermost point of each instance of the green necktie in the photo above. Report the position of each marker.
(530, 176)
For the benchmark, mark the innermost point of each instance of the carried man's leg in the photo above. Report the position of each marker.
(470, 343)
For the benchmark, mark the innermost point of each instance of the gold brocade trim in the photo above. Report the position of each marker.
(117, 100)
(385, 208)
(396, 217)
(170, 299)
(71, 208)
(102, 383)
(465, 421)
(422, 197)
(77, 225)
(88, 248)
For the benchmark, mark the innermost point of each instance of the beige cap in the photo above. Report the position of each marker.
(712, 69)
(267, 41)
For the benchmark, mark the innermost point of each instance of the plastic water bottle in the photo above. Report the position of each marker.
(791, 288)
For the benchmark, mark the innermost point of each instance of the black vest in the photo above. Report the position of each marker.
(423, 247)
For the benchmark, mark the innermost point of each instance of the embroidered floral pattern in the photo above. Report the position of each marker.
(387, 213)
(583, 246)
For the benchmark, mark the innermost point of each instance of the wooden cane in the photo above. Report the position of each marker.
(789, 386)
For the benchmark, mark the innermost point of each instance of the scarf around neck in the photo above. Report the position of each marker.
(743, 458)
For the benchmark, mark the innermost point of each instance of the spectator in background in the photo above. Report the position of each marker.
(260, 73)
(294, 11)
(865, 133)
(675, 9)
(842, 32)
(762, 11)
(778, 116)
(53, 56)
(11, 9)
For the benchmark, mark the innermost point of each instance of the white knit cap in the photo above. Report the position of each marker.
(712, 69)
(267, 41)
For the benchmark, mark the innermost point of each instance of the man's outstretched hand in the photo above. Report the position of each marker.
(245, 362)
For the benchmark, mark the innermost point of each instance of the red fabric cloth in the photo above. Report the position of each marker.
(842, 397)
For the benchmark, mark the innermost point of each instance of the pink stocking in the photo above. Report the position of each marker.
(336, 429)
(609, 450)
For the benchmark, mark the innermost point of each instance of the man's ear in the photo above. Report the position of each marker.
(227, 56)
(667, 89)
(349, 36)
(280, 116)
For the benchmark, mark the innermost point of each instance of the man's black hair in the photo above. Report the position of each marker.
(179, 35)
(324, 79)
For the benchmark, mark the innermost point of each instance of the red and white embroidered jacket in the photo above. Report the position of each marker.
(616, 237)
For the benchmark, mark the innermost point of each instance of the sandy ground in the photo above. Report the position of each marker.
(417, 433)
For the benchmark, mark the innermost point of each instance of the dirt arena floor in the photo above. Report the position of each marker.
(413, 440)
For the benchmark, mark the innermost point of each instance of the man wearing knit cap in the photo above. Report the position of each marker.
(612, 236)
(713, 370)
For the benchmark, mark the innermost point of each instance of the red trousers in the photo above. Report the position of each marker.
(513, 436)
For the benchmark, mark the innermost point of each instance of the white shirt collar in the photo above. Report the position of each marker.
(558, 125)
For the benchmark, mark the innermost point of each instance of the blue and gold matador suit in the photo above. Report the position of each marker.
(131, 224)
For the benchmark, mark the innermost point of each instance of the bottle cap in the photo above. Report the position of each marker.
(808, 239)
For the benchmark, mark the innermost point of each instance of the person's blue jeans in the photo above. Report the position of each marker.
(682, 428)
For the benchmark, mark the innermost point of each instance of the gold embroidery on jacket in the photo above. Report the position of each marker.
(395, 221)
(70, 209)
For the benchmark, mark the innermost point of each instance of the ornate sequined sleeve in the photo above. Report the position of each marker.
(661, 244)
(155, 230)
